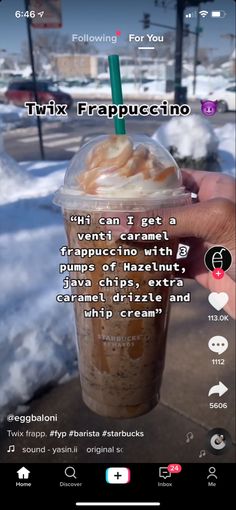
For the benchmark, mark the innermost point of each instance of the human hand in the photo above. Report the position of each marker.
(209, 222)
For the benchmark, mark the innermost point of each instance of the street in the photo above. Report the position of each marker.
(63, 138)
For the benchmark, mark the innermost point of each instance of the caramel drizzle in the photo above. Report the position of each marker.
(88, 179)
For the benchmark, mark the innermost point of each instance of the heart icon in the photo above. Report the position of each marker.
(218, 300)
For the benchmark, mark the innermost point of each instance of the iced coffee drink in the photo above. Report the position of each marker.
(122, 342)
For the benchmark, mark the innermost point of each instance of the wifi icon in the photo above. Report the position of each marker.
(203, 14)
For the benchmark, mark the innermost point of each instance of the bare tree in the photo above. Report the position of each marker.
(48, 42)
(203, 56)
(231, 38)
(168, 49)
(8, 63)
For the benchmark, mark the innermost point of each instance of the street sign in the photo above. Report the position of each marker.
(51, 10)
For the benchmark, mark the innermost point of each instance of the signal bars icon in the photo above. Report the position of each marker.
(193, 14)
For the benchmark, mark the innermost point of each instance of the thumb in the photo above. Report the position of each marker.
(213, 221)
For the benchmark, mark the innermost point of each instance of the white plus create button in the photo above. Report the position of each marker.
(118, 475)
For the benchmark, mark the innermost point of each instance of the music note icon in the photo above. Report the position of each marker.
(11, 448)
(202, 454)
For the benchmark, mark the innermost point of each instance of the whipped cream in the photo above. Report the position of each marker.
(115, 168)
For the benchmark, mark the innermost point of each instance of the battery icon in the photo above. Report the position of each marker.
(218, 14)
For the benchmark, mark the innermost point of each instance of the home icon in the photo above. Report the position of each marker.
(23, 473)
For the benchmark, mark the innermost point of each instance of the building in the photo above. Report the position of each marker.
(91, 66)
(76, 65)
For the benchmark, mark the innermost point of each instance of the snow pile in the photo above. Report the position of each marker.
(36, 331)
(20, 185)
(193, 141)
(204, 85)
(191, 136)
(36, 343)
(17, 184)
(26, 72)
(12, 177)
(11, 113)
(3, 87)
(227, 157)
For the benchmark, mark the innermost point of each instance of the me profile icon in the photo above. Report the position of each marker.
(218, 257)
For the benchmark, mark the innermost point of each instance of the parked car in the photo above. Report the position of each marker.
(225, 97)
(20, 91)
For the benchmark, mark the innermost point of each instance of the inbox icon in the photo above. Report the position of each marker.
(117, 475)
(164, 473)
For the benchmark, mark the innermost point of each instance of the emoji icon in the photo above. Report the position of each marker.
(218, 300)
(218, 344)
(208, 107)
(182, 251)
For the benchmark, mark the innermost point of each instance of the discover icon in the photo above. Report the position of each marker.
(70, 472)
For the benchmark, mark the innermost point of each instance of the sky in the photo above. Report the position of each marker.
(107, 16)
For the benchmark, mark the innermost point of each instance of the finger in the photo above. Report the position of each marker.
(209, 185)
(213, 221)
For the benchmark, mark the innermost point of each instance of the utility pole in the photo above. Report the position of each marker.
(179, 49)
(196, 52)
(181, 30)
(34, 79)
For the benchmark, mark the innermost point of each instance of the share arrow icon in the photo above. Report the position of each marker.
(219, 389)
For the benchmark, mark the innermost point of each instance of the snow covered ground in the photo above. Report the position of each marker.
(37, 345)
(205, 84)
(12, 116)
(151, 90)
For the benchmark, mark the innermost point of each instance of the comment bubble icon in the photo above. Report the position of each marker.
(218, 344)
(164, 473)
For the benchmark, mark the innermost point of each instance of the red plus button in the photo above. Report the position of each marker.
(218, 273)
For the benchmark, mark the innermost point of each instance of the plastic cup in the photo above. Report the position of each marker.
(121, 359)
